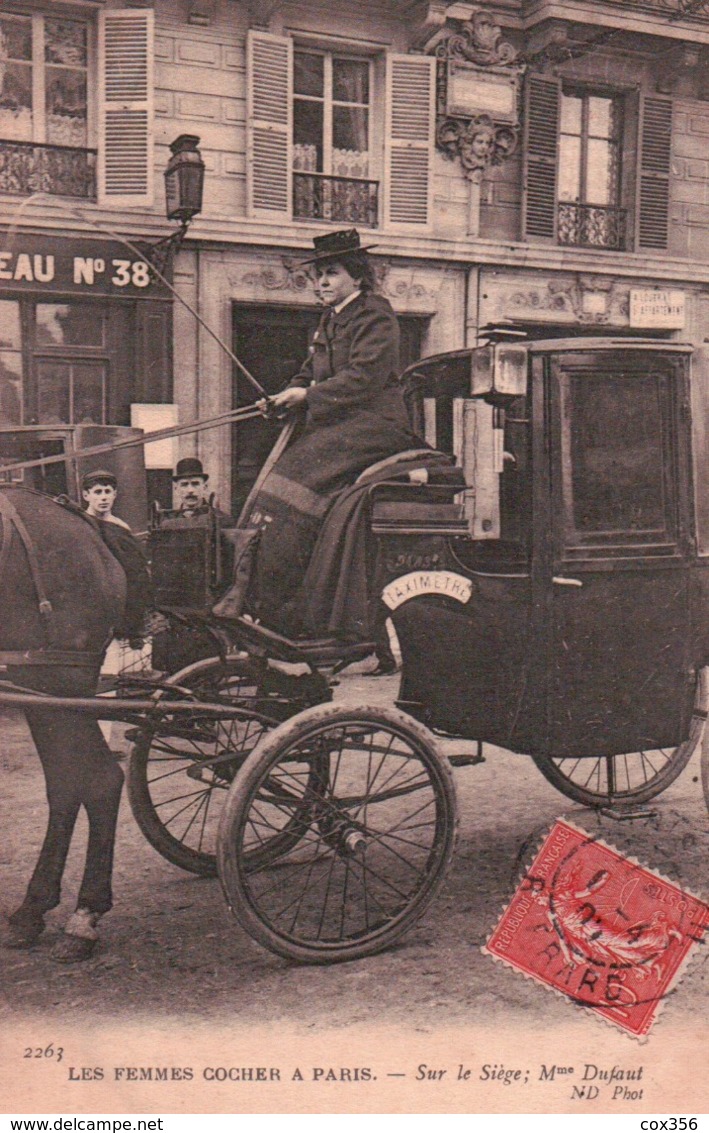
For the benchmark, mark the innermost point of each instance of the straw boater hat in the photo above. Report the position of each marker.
(334, 245)
(188, 467)
(98, 476)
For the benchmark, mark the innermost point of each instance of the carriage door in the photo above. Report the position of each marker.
(617, 577)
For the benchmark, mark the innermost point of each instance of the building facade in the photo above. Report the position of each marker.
(530, 163)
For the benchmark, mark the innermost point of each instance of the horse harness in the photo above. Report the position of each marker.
(10, 519)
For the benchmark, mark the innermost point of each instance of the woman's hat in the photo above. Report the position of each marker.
(188, 467)
(98, 476)
(333, 245)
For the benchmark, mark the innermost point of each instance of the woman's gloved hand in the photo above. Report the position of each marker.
(282, 403)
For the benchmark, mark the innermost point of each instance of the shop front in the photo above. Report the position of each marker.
(85, 332)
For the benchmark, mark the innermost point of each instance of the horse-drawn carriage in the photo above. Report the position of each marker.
(552, 601)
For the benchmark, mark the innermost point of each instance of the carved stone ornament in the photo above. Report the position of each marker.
(402, 287)
(478, 121)
(289, 275)
(479, 41)
(478, 142)
(584, 299)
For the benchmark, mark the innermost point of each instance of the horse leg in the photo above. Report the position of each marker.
(101, 800)
(79, 770)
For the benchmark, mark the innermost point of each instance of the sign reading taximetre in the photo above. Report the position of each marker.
(662, 310)
(82, 267)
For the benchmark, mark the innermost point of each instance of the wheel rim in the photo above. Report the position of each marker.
(633, 777)
(188, 769)
(374, 832)
(617, 776)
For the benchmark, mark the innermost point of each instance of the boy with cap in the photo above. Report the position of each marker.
(99, 489)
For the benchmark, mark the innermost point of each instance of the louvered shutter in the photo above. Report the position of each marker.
(653, 179)
(542, 105)
(410, 137)
(125, 158)
(269, 132)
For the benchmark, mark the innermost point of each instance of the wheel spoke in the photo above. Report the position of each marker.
(630, 777)
(179, 775)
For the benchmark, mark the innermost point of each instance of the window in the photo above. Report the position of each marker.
(70, 372)
(44, 64)
(10, 363)
(589, 171)
(596, 166)
(339, 136)
(72, 362)
(44, 80)
(331, 139)
(52, 113)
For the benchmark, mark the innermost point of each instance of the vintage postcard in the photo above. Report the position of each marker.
(352, 727)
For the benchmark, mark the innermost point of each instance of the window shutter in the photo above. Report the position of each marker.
(411, 82)
(653, 180)
(125, 159)
(541, 154)
(269, 128)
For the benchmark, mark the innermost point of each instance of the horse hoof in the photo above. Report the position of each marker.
(73, 949)
(24, 935)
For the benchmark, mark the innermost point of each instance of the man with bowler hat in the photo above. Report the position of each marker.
(190, 488)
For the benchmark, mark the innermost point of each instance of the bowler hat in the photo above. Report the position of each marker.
(98, 476)
(188, 467)
(333, 245)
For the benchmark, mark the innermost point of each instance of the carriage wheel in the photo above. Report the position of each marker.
(633, 777)
(179, 772)
(374, 804)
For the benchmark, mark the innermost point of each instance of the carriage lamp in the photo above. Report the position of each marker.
(184, 179)
(498, 372)
(511, 370)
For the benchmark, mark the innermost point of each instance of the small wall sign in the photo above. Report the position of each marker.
(661, 310)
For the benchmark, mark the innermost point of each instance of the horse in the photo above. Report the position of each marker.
(62, 598)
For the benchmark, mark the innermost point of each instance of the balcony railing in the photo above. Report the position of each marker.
(351, 200)
(591, 226)
(26, 168)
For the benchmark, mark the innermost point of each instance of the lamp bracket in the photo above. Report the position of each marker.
(160, 254)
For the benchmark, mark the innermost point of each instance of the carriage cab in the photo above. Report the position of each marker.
(570, 617)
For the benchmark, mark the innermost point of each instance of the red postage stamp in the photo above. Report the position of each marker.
(599, 928)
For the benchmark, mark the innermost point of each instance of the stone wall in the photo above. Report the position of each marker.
(201, 88)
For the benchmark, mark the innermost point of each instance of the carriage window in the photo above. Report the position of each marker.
(618, 469)
(500, 488)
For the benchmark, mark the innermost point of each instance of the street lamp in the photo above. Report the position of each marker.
(184, 179)
(184, 182)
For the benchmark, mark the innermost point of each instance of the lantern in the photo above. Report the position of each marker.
(184, 179)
